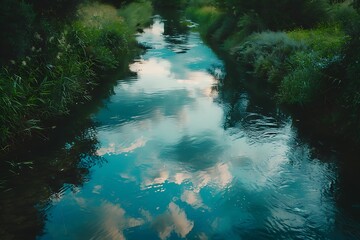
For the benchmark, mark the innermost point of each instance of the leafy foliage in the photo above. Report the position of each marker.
(16, 26)
(296, 61)
(207, 16)
(268, 54)
(59, 70)
(170, 3)
(279, 14)
(58, 8)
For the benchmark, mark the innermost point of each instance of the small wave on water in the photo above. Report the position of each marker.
(188, 158)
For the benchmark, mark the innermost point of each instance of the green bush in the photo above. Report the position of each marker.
(326, 41)
(312, 59)
(351, 70)
(296, 61)
(102, 34)
(304, 81)
(308, 79)
(279, 14)
(267, 53)
(342, 14)
(60, 70)
(16, 25)
(208, 17)
(170, 3)
(136, 14)
(58, 8)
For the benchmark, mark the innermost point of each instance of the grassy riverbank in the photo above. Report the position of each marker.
(50, 67)
(309, 51)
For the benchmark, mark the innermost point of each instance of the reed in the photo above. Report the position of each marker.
(62, 67)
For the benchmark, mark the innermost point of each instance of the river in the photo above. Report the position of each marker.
(177, 151)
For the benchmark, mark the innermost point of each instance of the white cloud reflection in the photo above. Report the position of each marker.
(195, 168)
(156, 179)
(109, 221)
(218, 176)
(97, 189)
(114, 221)
(156, 74)
(174, 219)
(193, 199)
(153, 75)
(91, 219)
(114, 149)
(197, 78)
(153, 36)
(180, 177)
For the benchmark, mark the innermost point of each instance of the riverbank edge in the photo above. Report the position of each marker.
(94, 71)
(316, 121)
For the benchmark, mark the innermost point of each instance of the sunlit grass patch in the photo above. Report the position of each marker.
(205, 16)
(136, 14)
(295, 61)
(327, 40)
(306, 78)
(101, 33)
(97, 15)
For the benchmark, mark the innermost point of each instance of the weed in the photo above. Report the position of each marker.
(61, 69)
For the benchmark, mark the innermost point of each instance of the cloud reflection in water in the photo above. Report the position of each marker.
(182, 165)
(174, 219)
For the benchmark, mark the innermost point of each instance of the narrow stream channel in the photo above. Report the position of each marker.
(182, 156)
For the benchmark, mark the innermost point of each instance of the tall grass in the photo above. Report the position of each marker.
(170, 3)
(295, 61)
(101, 34)
(308, 77)
(62, 68)
(208, 18)
(137, 14)
(309, 50)
(278, 15)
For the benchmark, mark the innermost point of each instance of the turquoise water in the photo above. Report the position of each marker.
(185, 156)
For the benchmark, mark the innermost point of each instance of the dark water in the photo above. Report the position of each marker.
(178, 152)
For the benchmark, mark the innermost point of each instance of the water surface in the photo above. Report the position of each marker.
(183, 154)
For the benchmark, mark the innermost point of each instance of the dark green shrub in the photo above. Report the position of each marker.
(225, 28)
(304, 81)
(356, 4)
(59, 71)
(351, 63)
(208, 17)
(279, 14)
(308, 79)
(343, 14)
(267, 53)
(55, 8)
(16, 26)
(249, 23)
(136, 14)
(170, 3)
(297, 61)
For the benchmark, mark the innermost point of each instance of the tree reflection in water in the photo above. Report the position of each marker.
(31, 182)
(249, 112)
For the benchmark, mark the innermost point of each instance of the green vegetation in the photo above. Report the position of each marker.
(208, 16)
(49, 67)
(307, 78)
(169, 3)
(308, 50)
